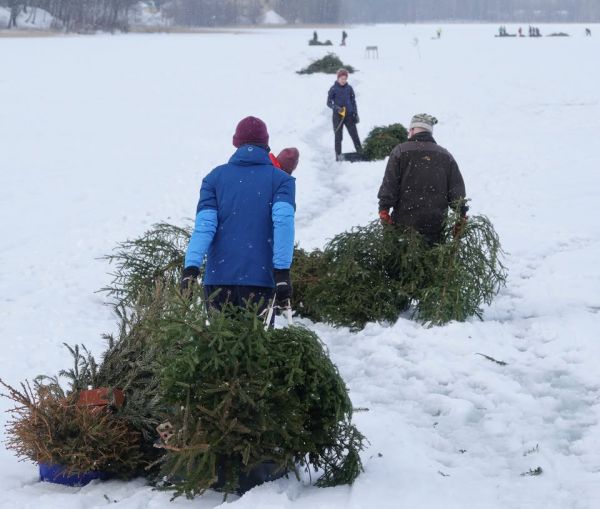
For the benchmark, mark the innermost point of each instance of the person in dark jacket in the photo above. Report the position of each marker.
(342, 101)
(421, 181)
(244, 225)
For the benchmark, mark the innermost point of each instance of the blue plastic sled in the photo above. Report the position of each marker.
(58, 474)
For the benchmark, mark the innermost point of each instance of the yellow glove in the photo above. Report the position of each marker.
(342, 112)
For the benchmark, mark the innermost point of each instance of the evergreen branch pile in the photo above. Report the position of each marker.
(48, 426)
(155, 258)
(463, 272)
(243, 395)
(373, 273)
(329, 64)
(130, 363)
(381, 141)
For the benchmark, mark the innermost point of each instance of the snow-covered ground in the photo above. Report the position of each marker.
(102, 136)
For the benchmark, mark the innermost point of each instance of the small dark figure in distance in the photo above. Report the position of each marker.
(315, 37)
(344, 37)
(588, 32)
(421, 181)
(342, 101)
(15, 10)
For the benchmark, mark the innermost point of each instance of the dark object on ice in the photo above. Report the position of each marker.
(588, 32)
(265, 472)
(329, 64)
(319, 43)
(421, 182)
(58, 474)
(352, 157)
(500, 363)
(503, 33)
(534, 32)
(315, 41)
(344, 37)
(559, 34)
(372, 52)
(533, 472)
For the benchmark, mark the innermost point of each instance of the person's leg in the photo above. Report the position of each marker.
(339, 133)
(217, 296)
(261, 295)
(351, 126)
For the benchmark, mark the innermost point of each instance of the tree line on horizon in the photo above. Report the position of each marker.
(87, 15)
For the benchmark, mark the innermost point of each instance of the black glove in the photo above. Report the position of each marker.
(337, 108)
(283, 285)
(188, 279)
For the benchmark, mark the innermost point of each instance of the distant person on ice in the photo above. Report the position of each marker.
(344, 37)
(421, 182)
(244, 225)
(342, 101)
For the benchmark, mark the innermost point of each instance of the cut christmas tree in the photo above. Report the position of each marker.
(381, 140)
(244, 396)
(374, 273)
(329, 64)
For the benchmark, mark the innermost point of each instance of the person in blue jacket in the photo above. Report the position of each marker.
(244, 225)
(342, 101)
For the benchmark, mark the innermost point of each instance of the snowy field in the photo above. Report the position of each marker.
(102, 136)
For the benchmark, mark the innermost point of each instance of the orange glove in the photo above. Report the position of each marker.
(458, 227)
(384, 216)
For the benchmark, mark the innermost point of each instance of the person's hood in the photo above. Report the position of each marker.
(249, 155)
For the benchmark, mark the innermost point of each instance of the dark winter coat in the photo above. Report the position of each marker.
(421, 181)
(340, 96)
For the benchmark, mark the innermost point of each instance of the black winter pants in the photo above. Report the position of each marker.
(238, 295)
(339, 134)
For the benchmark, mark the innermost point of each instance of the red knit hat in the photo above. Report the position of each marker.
(288, 159)
(250, 130)
(342, 72)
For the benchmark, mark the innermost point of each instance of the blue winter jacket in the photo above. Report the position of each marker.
(342, 96)
(244, 221)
